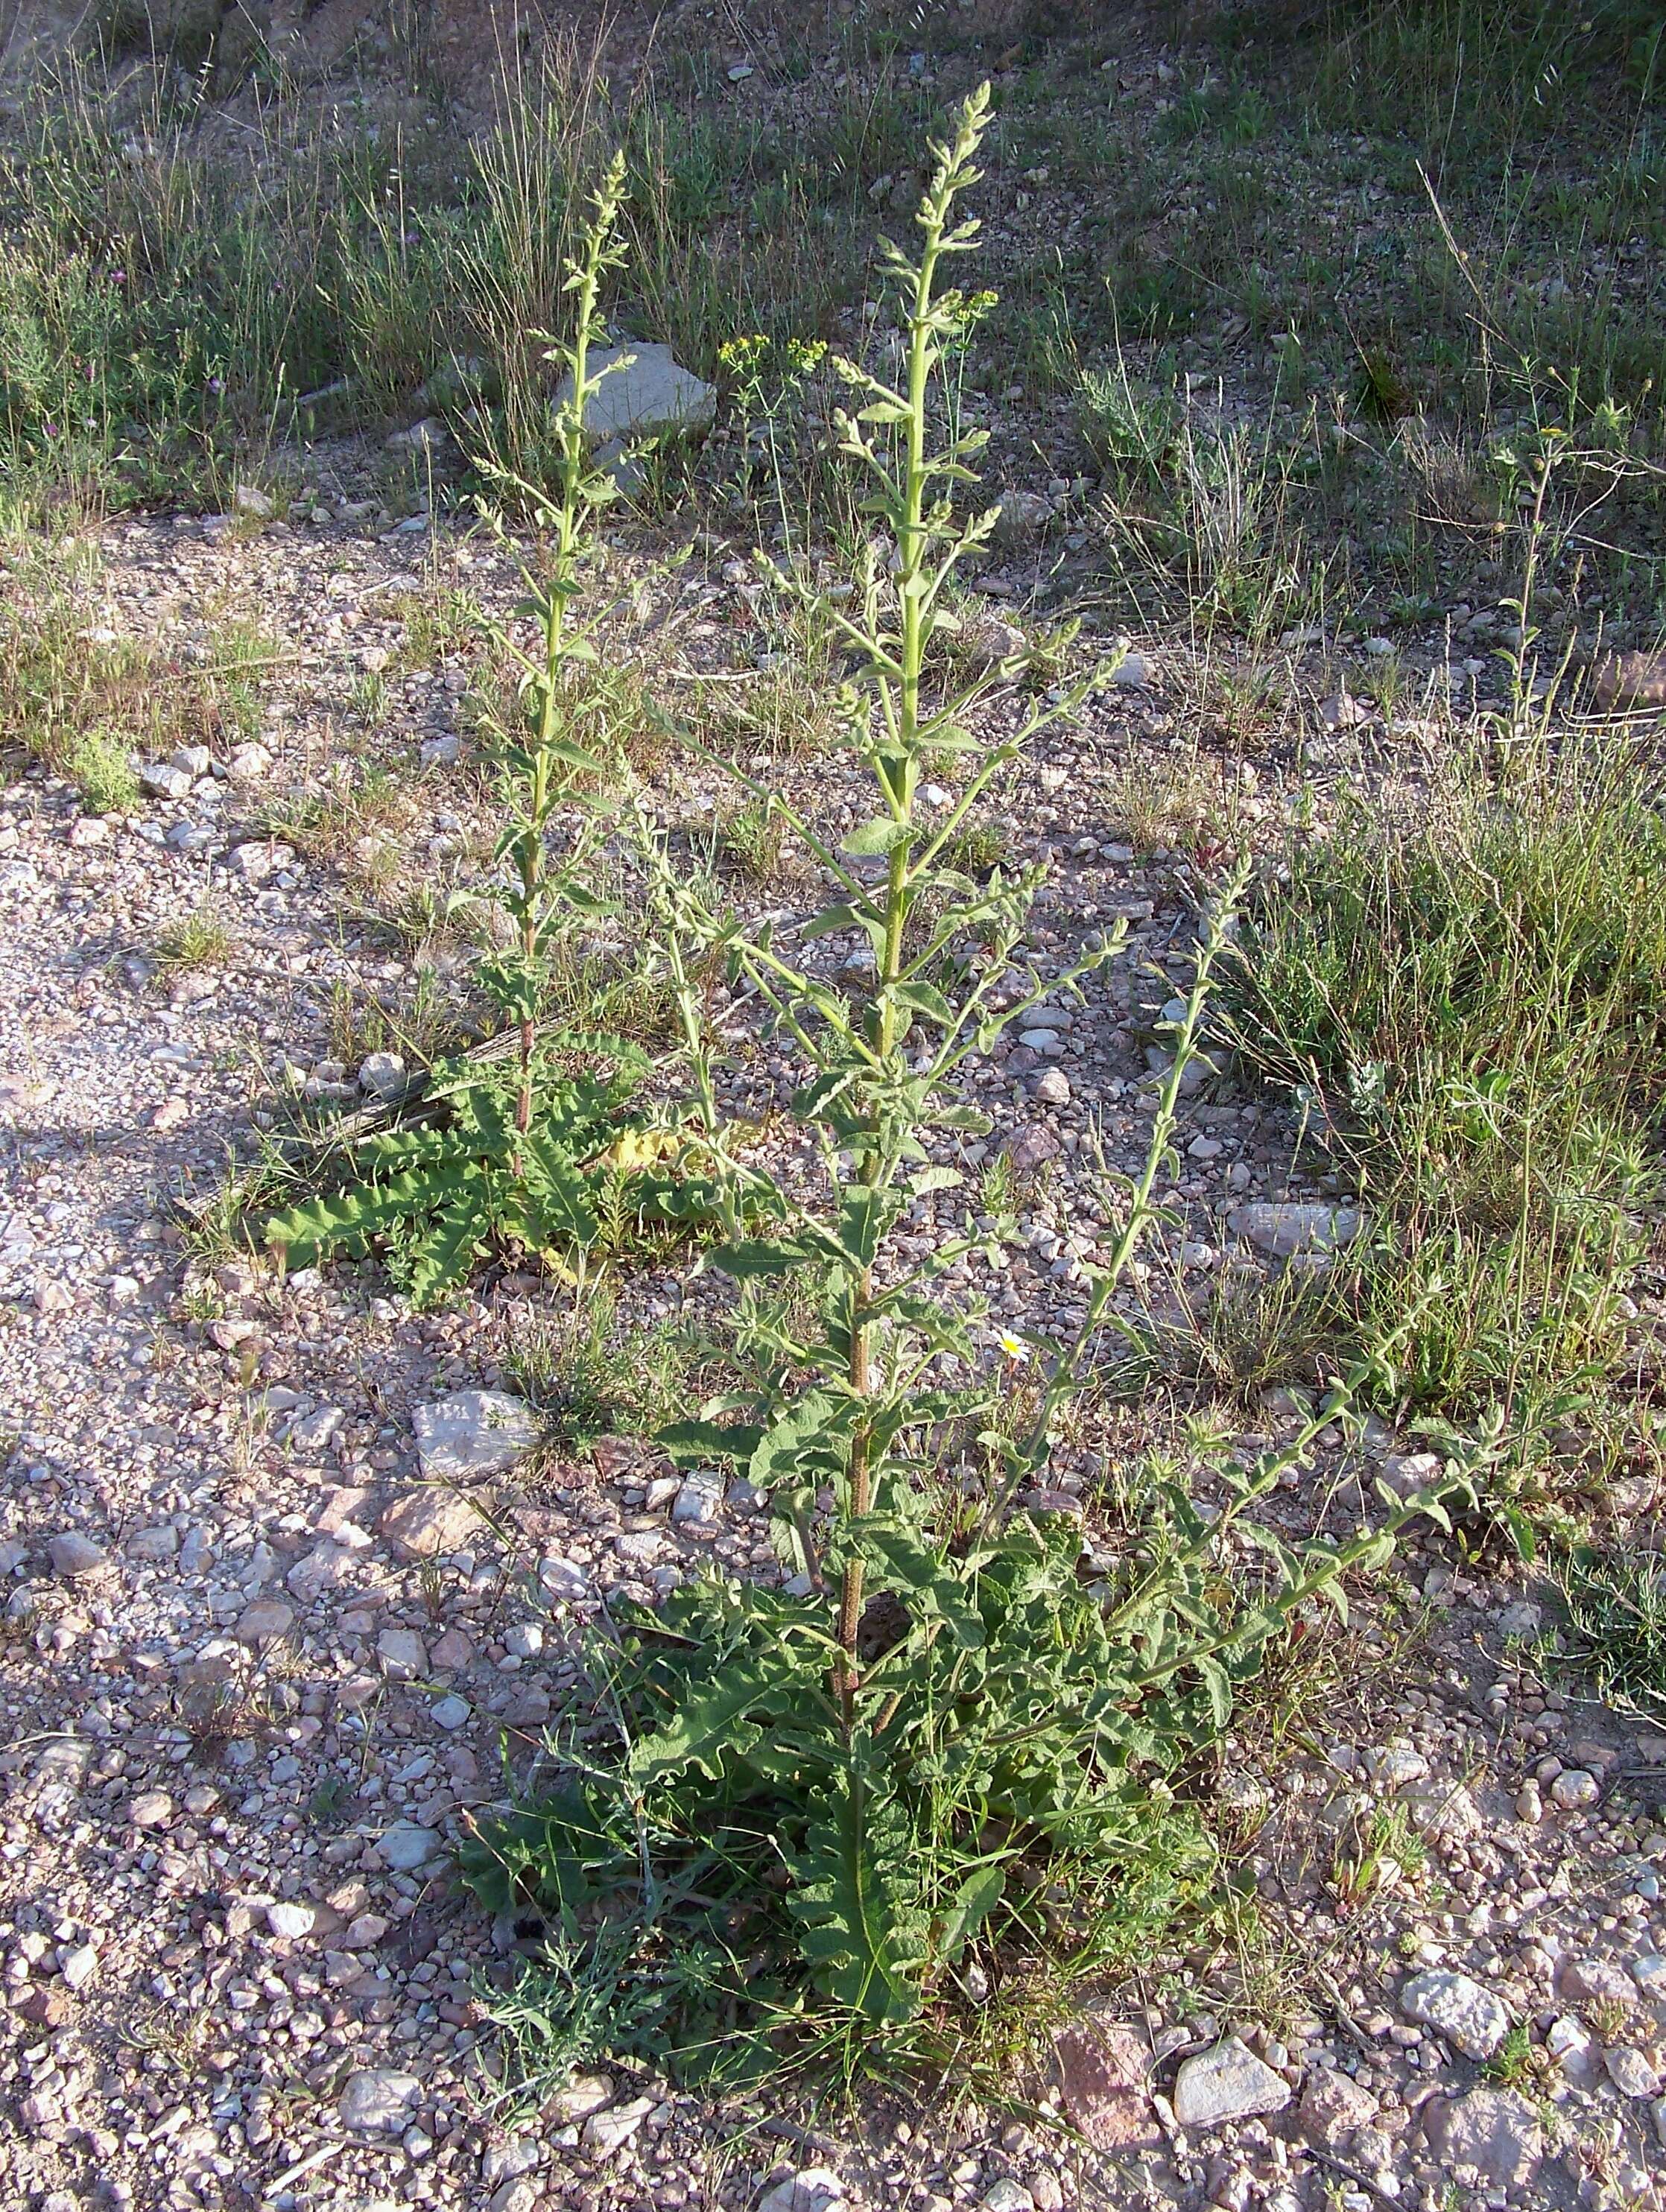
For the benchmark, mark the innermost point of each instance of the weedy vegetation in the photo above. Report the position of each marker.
(1352, 340)
(814, 1803)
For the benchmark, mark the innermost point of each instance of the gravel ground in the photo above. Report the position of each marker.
(263, 1637)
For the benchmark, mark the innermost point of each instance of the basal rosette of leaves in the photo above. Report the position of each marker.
(801, 1806)
(470, 1180)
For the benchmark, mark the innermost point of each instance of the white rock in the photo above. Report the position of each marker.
(441, 752)
(1570, 2043)
(814, 2188)
(644, 392)
(611, 2130)
(1648, 1973)
(474, 1433)
(700, 1498)
(382, 1074)
(1052, 1088)
(1281, 1230)
(163, 782)
(291, 1920)
(1227, 2083)
(378, 2101)
(505, 2161)
(249, 499)
(316, 1429)
(249, 763)
(404, 1846)
(1132, 672)
(452, 1713)
(1574, 1787)
(79, 1966)
(1472, 2019)
(1631, 2073)
(1394, 1765)
(1007, 2195)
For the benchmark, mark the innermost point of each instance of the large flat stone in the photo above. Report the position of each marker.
(1496, 2131)
(1473, 2019)
(1227, 2083)
(644, 393)
(472, 1434)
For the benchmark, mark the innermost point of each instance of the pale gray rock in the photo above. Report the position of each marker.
(406, 1846)
(521, 2194)
(325, 1567)
(1444, 1812)
(1573, 1789)
(813, 2189)
(1494, 2131)
(378, 2101)
(611, 2130)
(1227, 2083)
(263, 1621)
(1283, 1230)
(1631, 2073)
(291, 1920)
(73, 1555)
(403, 1653)
(474, 1433)
(1334, 2105)
(1053, 1087)
(1395, 1766)
(1007, 2195)
(1588, 1980)
(259, 860)
(249, 763)
(163, 781)
(1472, 2019)
(509, 2160)
(314, 1430)
(382, 1074)
(79, 1966)
(1019, 515)
(644, 392)
(699, 1498)
(563, 1578)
